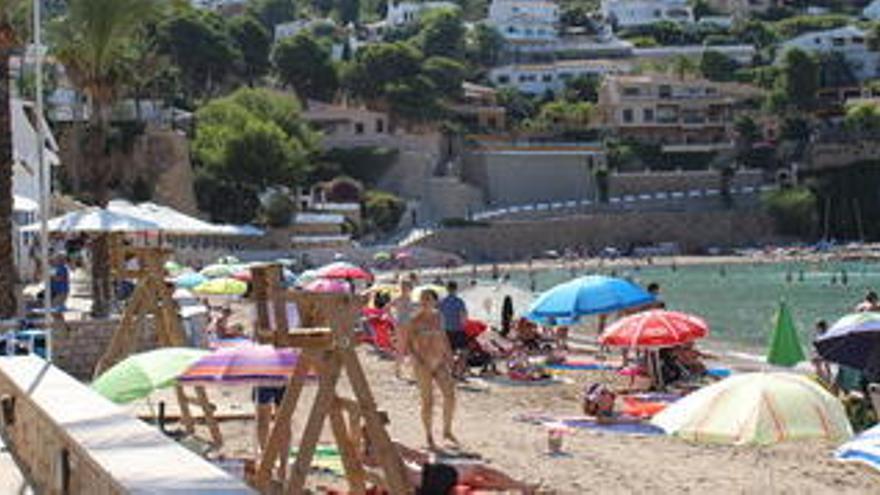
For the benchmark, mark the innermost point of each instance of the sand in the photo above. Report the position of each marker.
(592, 462)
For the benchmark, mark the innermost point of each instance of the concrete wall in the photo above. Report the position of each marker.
(830, 155)
(693, 231)
(522, 178)
(70, 440)
(449, 197)
(652, 182)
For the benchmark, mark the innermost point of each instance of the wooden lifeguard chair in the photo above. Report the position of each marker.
(327, 347)
(152, 296)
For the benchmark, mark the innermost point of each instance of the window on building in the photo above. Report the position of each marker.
(628, 115)
(503, 79)
(817, 40)
(665, 91)
(858, 40)
(511, 29)
(648, 115)
(523, 78)
(359, 128)
(658, 13)
(838, 41)
(547, 77)
(380, 126)
(630, 91)
(492, 122)
(711, 91)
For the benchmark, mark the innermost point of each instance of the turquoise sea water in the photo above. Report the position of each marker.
(740, 300)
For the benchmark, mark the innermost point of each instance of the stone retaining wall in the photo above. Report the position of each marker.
(692, 231)
(77, 346)
(651, 182)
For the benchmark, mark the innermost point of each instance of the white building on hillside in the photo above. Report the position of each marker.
(219, 5)
(850, 41)
(525, 20)
(631, 13)
(872, 11)
(404, 13)
(540, 78)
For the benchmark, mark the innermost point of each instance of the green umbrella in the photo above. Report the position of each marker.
(173, 268)
(785, 347)
(139, 375)
(382, 256)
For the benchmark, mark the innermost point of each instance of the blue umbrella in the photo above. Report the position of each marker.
(190, 280)
(864, 448)
(853, 341)
(587, 296)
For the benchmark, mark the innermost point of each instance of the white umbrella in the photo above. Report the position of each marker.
(168, 219)
(96, 220)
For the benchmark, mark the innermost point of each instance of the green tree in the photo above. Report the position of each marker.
(446, 74)
(747, 131)
(254, 43)
(798, 81)
(246, 143)
(519, 106)
(793, 211)
(278, 210)
(201, 46)
(305, 65)
(683, 66)
(414, 99)
(583, 88)
(835, 71)
(717, 66)
(96, 42)
(378, 65)
(794, 26)
(11, 27)
(273, 12)
(561, 116)
(383, 210)
(442, 33)
(863, 118)
(484, 45)
(349, 11)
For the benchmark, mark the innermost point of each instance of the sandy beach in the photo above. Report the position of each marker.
(593, 462)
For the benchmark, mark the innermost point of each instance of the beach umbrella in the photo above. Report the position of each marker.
(326, 285)
(139, 375)
(243, 364)
(305, 277)
(654, 329)
(190, 280)
(382, 256)
(221, 287)
(219, 270)
(96, 220)
(173, 268)
(290, 278)
(244, 274)
(854, 341)
(865, 448)
(228, 260)
(589, 295)
(785, 346)
(757, 408)
(403, 256)
(345, 271)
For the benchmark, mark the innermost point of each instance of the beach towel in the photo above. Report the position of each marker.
(585, 423)
(578, 366)
(326, 459)
(640, 408)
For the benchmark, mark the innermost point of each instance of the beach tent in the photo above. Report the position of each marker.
(785, 346)
(757, 408)
(865, 448)
(590, 295)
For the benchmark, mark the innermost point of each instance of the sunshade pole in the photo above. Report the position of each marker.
(44, 174)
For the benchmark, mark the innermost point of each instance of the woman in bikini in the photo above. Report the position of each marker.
(402, 309)
(432, 361)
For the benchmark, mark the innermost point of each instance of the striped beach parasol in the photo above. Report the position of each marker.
(243, 364)
(865, 448)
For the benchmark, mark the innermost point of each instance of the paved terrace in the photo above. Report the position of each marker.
(68, 439)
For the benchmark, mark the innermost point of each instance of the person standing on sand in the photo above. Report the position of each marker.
(402, 309)
(454, 313)
(432, 362)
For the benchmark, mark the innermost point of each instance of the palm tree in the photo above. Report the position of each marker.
(96, 41)
(10, 11)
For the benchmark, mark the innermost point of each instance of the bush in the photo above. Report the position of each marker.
(278, 210)
(793, 211)
(383, 210)
(365, 164)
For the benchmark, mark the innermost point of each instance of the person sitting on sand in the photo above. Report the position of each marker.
(598, 403)
(823, 369)
(221, 328)
(870, 304)
(433, 361)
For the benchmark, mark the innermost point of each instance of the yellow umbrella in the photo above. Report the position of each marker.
(757, 408)
(222, 287)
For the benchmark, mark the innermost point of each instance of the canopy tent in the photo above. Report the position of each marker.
(485, 302)
(757, 408)
(22, 203)
(170, 221)
(95, 220)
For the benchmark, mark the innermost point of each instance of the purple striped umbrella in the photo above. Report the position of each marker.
(243, 364)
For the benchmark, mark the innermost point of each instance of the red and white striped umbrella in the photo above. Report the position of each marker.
(655, 329)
